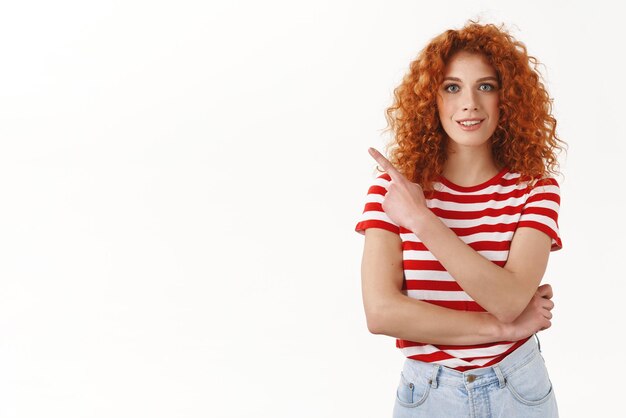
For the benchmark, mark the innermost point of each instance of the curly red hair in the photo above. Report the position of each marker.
(525, 139)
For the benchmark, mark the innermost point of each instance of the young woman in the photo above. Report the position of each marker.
(459, 227)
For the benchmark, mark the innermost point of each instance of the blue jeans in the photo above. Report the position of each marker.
(518, 386)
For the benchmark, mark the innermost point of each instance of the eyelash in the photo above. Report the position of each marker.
(491, 87)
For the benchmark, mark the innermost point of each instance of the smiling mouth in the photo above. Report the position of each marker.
(470, 123)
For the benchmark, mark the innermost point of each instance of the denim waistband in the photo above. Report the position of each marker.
(440, 375)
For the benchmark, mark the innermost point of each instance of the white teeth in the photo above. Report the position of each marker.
(470, 123)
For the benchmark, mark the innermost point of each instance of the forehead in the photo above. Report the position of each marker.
(468, 64)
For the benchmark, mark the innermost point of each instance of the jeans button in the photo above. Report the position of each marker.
(470, 378)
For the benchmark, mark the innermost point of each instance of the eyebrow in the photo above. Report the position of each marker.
(479, 80)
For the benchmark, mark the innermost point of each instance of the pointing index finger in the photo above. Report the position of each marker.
(385, 164)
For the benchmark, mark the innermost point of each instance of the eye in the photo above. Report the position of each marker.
(447, 88)
(489, 87)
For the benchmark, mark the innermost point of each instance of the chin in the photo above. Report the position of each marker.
(470, 142)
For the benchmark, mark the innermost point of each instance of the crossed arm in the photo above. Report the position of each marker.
(390, 312)
(502, 291)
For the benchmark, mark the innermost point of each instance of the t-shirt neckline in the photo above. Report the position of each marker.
(477, 187)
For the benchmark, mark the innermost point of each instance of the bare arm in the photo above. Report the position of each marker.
(390, 312)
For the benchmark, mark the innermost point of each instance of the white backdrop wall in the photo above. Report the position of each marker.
(179, 186)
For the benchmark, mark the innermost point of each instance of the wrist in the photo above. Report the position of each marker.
(506, 331)
(496, 330)
(420, 220)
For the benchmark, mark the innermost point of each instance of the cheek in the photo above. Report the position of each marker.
(445, 109)
(494, 106)
(496, 112)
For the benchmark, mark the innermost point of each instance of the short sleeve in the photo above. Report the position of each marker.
(541, 210)
(373, 215)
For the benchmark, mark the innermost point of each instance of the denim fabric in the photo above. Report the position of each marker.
(518, 386)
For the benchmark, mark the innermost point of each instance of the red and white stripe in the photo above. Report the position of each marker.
(485, 217)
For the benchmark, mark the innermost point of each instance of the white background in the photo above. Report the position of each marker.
(179, 186)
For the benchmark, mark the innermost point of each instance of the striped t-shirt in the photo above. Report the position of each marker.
(485, 217)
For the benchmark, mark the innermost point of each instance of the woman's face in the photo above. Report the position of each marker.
(468, 94)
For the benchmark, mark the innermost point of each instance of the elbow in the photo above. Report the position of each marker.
(512, 309)
(508, 315)
(376, 319)
(374, 327)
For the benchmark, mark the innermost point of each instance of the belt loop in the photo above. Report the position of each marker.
(538, 342)
(501, 379)
(433, 377)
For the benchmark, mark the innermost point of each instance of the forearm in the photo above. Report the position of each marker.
(491, 286)
(415, 320)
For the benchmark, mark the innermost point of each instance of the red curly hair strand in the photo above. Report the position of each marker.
(525, 139)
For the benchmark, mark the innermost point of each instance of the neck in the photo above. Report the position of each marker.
(468, 165)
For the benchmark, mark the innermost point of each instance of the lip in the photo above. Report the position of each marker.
(470, 128)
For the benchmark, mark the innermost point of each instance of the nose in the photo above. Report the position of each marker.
(470, 101)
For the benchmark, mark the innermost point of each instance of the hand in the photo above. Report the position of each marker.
(536, 317)
(404, 201)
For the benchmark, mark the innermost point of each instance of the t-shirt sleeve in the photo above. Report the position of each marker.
(541, 210)
(373, 215)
